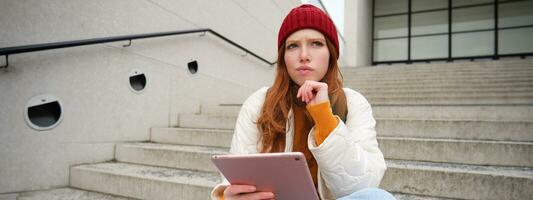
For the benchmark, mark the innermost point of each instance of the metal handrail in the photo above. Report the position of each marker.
(56, 45)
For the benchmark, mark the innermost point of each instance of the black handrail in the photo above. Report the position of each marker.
(56, 45)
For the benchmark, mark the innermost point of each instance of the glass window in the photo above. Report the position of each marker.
(420, 5)
(456, 3)
(385, 7)
(429, 47)
(472, 26)
(429, 23)
(474, 18)
(515, 14)
(389, 50)
(515, 41)
(394, 26)
(473, 44)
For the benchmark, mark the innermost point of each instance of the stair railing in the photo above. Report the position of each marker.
(74, 43)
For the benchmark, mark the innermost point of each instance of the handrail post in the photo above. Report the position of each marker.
(127, 45)
(7, 62)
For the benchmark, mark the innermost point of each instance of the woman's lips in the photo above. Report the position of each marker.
(304, 70)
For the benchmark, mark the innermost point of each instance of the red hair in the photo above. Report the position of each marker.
(272, 121)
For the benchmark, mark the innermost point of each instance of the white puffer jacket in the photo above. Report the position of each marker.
(348, 160)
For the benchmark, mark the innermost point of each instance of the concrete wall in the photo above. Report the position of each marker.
(357, 33)
(99, 108)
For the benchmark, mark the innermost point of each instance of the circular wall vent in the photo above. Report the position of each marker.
(137, 81)
(43, 112)
(193, 67)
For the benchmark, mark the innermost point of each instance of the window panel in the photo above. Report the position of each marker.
(429, 23)
(515, 14)
(475, 18)
(394, 26)
(429, 47)
(420, 5)
(388, 50)
(515, 41)
(384, 7)
(473, 44)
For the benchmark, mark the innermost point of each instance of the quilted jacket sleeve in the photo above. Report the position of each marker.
(349, 159)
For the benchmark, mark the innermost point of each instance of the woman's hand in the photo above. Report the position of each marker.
(313, 92)
(245, 192)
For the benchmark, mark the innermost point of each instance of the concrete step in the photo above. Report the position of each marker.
(434, 80)
(447, 86)
(62, 194)
(417, 178)
(511, 93)
(450, 92)
(473, 83)
(375, 72)
(192, 136)
(430, 68)
(209, 121)
(452, 176)
(446, 112)
(456, 129)
(478, 152)
(230, 108)
(458, 181)
(419, 128)
(437, 76)
(168, 155)
(143, 182)
(481, 152)
(402, 196)
(222, 137)
(443, 67)
(466, 112)
(76, 194)
(378, 71)
(458, 100)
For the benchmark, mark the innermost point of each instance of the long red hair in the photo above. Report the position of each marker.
(272, 121)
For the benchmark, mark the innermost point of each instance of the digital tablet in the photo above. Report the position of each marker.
(284, 174)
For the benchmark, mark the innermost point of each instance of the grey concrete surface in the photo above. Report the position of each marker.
(143, 182)
(458, 181)
(65, 194)
(174, 156)
(192, 136)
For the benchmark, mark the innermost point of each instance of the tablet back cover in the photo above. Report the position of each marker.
(285, 174)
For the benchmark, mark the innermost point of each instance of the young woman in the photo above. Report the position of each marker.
(307, 110)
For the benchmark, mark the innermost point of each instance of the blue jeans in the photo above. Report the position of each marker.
(369, 193)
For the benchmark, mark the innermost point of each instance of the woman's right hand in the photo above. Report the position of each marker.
(245, 192)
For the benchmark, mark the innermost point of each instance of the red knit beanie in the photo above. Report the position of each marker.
(308, 16)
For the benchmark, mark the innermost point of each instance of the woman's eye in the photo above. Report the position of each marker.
(317, 44)
(291, 46)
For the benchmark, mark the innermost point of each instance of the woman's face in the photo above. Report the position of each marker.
(306, 56)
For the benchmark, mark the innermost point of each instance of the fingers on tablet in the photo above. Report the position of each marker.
(245, 192)
(238, 189)
(258, 195)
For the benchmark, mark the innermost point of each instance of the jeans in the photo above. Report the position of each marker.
(369, 193)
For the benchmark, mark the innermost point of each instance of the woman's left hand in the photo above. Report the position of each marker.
(313, 92)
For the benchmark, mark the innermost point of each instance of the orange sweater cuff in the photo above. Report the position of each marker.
(325, 121)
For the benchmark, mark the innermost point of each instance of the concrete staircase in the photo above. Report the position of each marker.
(460, 131)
